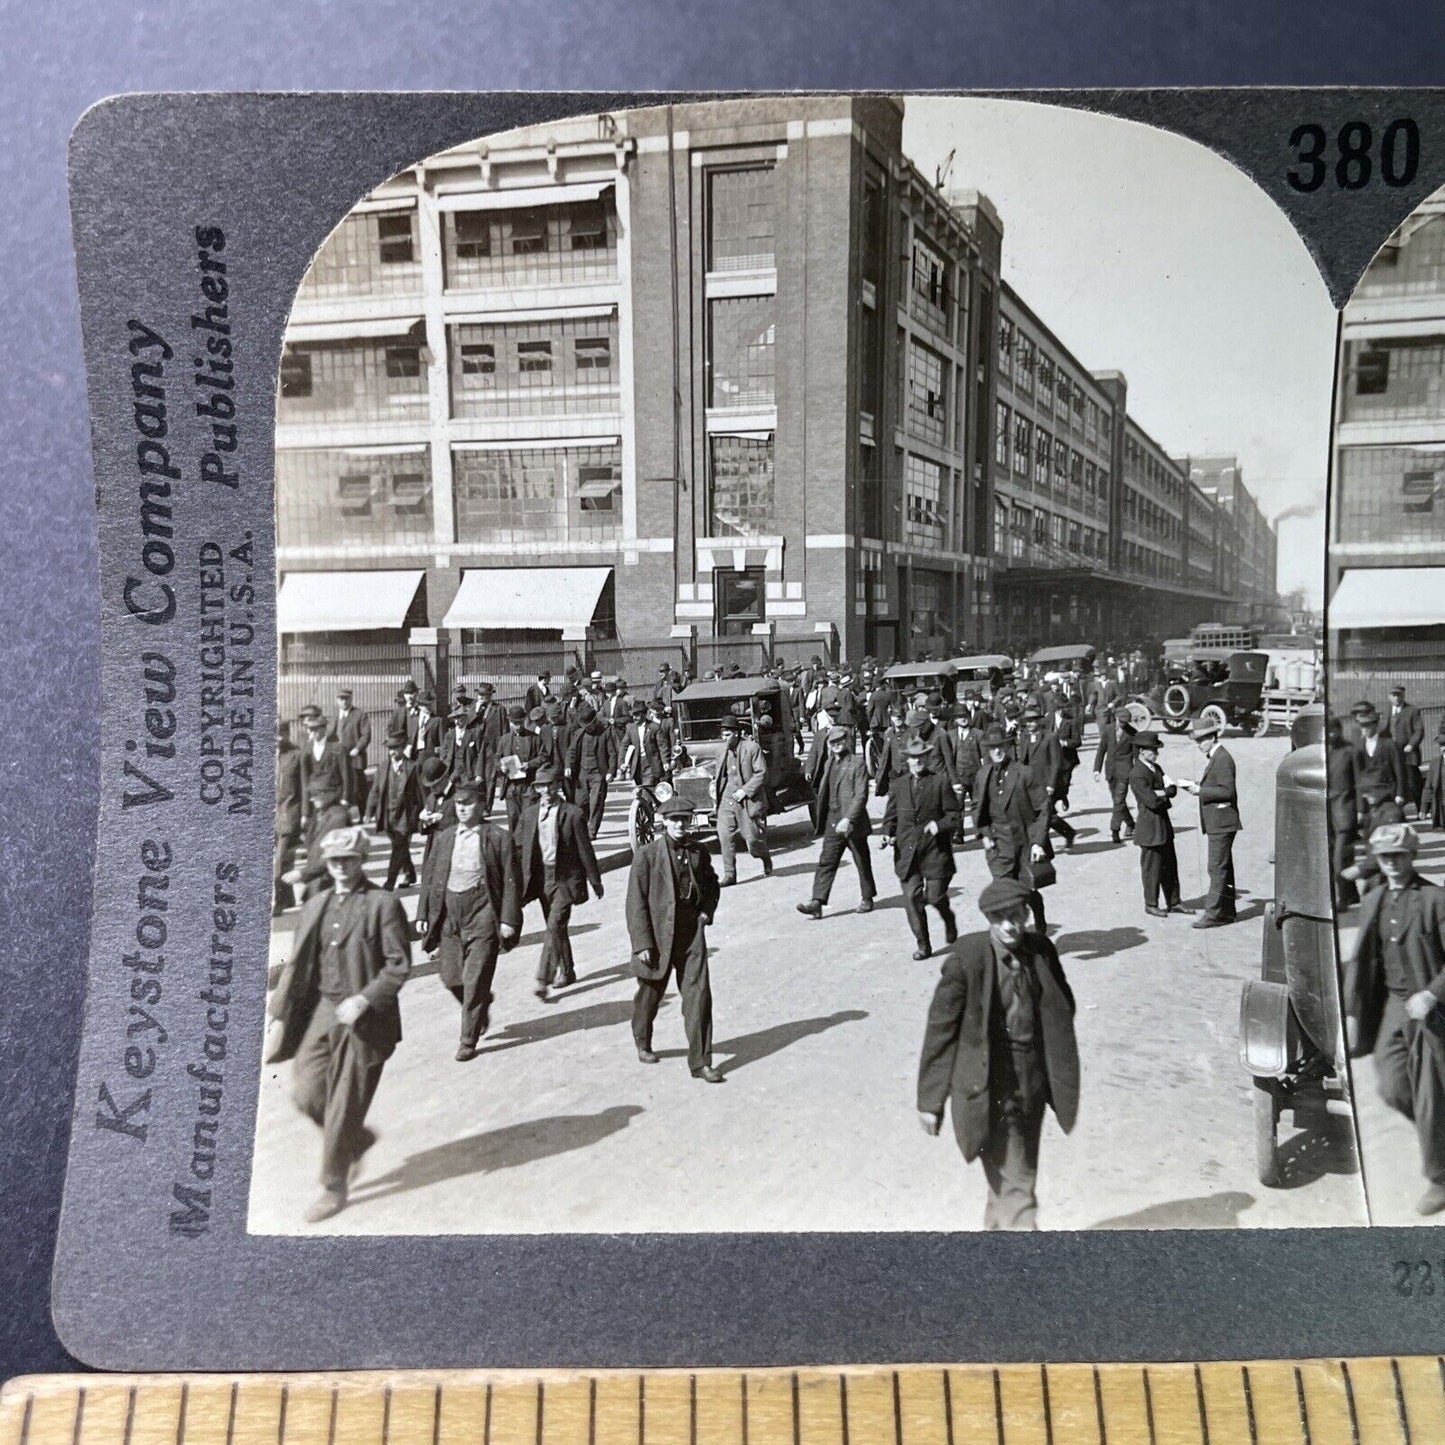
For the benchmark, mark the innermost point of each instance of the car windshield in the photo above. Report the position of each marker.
(700, 721)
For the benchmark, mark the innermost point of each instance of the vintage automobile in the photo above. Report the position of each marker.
(697, 718)
(1290, 1038)
(1205, 682)
(1069, 657)
(981, 674)
(911, 678)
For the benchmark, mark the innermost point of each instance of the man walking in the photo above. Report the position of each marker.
(1113, 762)
(395, 809)
(742, 808)
(457, 750)
(840, 818)
(556, 864)
(1154, 834)
(1341, 795)
(519, 755)
(1379, 768)
(325, 778)
(1219, 821)
(1393, 991)
(469, 910)
(1038, 750)
(289, 809)
(672, 894)
(485, 728)
(1000, 1047)
(336, 1009)
(645, 757)
(1407, 732)
(1011, 816)
(353, 732)
(591, 761)
(919, 821)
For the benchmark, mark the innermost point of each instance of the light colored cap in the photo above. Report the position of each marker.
(1394, 838)
(345, 843)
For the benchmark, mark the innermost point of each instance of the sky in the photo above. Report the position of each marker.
(1148, 254)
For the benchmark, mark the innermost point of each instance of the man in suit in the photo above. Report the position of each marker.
(662, 689)
(591, 761)
(470, 908)
(405, 711)
(335, 1009)
(395, 808)
(458, 744)
(645, 757)
(289, 809)
(1068, 732)
(1011, 816)
(1154, 833)
(840, 818)
(739, 791)
(1038, 750)
(325, 778)
(1113, 762)
(423, 728)
(1407, 732)
(672, 894)
(1219, 820)
(1341, 792)
(539, 691)
(485, 726)
(967, 742)
(353, 732)
(1393, 994)
(1379, 768)
(1000, 1047)
(920, 820)
(519, 755)
(556, 863)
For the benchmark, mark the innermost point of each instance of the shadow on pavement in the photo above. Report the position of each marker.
(1107, 845)
(1314, 1152)
(1092, 944)
(509, 1147)
(750, 1048)
(573, 931)
(1207, 1211)
(556, 1025)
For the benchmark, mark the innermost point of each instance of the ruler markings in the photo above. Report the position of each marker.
(1099, 1407)
(1148, 1405)
(1249, 1404)
(1350, 1402)
(1304, 1411)
(1400, 1401)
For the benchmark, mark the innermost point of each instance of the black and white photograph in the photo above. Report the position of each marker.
(801, 699)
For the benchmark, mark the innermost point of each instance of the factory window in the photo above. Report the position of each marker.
(593, 353)
(1046, 381)
(1077, 400)
(1091, 421)
(741, 600)
(534, 357)
(1019, 533)
(1041, 528)
(873, 225)
(587, 226)
(342, 381)
(370, 254)
(925, 394)
(537, 494)
(1023, 444)
(1400, 379)
(1074, 537)
(740, 351)
(742, 221)
(1043, 447)
(1025, 362)
(1000, 527)
(523, 368)
(1001, 423)
(1005, 348)
(929, 295)
(533, 246)
(1091, 479)
(741, 492)
(395, 242)
(1061, 463)
(923, 496)
(340, 497)
(1076, 470)
(295, 373)
(1391, 494)
(1413, 266)
(472, 240)
(527, 231)
(1063, 389)
(1058, 524)
(478, 359)
(403, 362)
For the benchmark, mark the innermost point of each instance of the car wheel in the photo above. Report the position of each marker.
(1175, 703)
(1266, 1133)
(1138, 715)
(1214, 714)
(640, 828)
(1175, 724)
(1262, 726)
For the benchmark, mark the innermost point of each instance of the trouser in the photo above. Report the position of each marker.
(1010, 1154)
(400, 860)
(966, 799)
(282, 894)
(1414, 783)
(1006, 860)
(1121, 817)
(1411, 1077)
(333, 1082)
(516, 796)
(1342, 855)
(917, 891)
(1220, 903)
(555, 965)
(688, 961)
(1061, 826)
(733, 818)
(592, 799)
(356, 786)
(834, 846)
(467, 961)
(1159, 868)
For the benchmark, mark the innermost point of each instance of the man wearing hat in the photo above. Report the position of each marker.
(663, 688)
(519, 755)
(437, 811)
(1113, 762)
(1038, 750)
(395, 808)
(1393, 991)
(920, 820)
(1379, 768)
(470, 908)
(485, 726)
(539, 691)
(457, 746)
(1000, 1046)
(1011, 816)
(646, 758)
(1152, 792)
(1407, 732)
(739, 790)
(335, 1012)
(672, 893)
(1344, 819)
(353, 732)
(423, 728)
(840, 818)
(1432, 801)
(325, 777)
(406, 709)
(289, 809)
(1218, 820)
(591, 761)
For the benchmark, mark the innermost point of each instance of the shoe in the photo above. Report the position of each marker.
(466, 1053)
(566, 982)
(1432, 1201)
(541, 992)
(1113, 837)
(709, 1075)
(919, 954)
(866, 906)
(950, 934)
(727, 882)
(1154, 912)
(328, 1202)
(811, 909)
(768, 869)
(1180, 908)
(1208, 922)
(646, 1056)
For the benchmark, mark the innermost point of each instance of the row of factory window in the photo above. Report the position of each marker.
(1024, 534)
(1033, 372)
(1391, 494)
(1143, 463)
(1402, 378)
(1029, 450)
(1149, 514)
(1411, 264)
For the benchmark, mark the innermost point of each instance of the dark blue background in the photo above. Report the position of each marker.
(57, 59)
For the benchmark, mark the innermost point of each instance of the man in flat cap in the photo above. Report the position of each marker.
(840, 818)
(1406, 727)
(470, 908)
(1218, 820)
(1153, 795)
(672, 893)
(1393, 992)
(1379, 768)
(1011, 816)
(353, 733)
(335, 1008)
(1000, 1046)
(395, 809)
(920, 820)
(739, 790)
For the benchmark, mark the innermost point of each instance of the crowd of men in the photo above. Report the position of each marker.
(990, 772)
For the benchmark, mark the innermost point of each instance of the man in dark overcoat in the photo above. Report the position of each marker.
(459, 744)
(335, 1008)
(470, 909)
(1038, 750)
(353, 732)
(840, 818)
(1407, 732)
(424, 728)
(1341, 794)
(672, 893)
(1393, 995)
(1000, 1047)
(1153, 796)
(395, 808)
(1113, 762)
(1379, 768)
(556, 864)
(1011, 816)
(519, 755)
(289, 809)
(1218, 797)
(325, 778)
(591, 762)
(485, 726)
(920, 820)
(646, 757)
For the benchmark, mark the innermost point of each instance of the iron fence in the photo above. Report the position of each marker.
(749, 653)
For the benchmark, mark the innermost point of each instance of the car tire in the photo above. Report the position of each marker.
(1215, 714)
(1266, 1133)
(641, 824)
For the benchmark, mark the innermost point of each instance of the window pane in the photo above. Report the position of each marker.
(741, 219)
(741, 494)
(373, 254)
(542, 494)
(534, 368)
(539, 246)
(1391, 494)
(925, 416)
(741, 336)
(923, 524)
(340, 381)
(339, 498)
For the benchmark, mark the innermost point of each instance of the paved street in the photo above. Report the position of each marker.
(558, 1127)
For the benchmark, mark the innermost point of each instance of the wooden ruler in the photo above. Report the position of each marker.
(1309, 1402)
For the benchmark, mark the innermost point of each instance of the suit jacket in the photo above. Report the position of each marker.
(576, 863)
(1341, 788)
(289, 792)
(1024, 815)
(499, 872)
(1044, 758)
(930, 855)
(883, 699)
(967, 753)
(328, 778)
(459, 758)
(375, 961)
(941, 758)
(842, 792)
(534, 697)
(592, 749)
(955, 1064)
(1423, 945)
(354, 731)
(1382, 776)
(1114, 756)
(652, 901)
(1218, 796)
(526, 747)
(1154, 827)
(395, 802)
(649, 764)
(422, 738)
(1069, 733)
(486, 726)
(1408, 732)
(753, 771)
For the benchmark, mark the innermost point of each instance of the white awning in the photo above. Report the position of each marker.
(306, 332)
(1377, 597)
(542, 598)
(344, 601)
(522, 198)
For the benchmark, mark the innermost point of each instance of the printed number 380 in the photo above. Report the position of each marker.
(1354, 155)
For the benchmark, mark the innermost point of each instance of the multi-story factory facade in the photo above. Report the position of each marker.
(715, 371)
